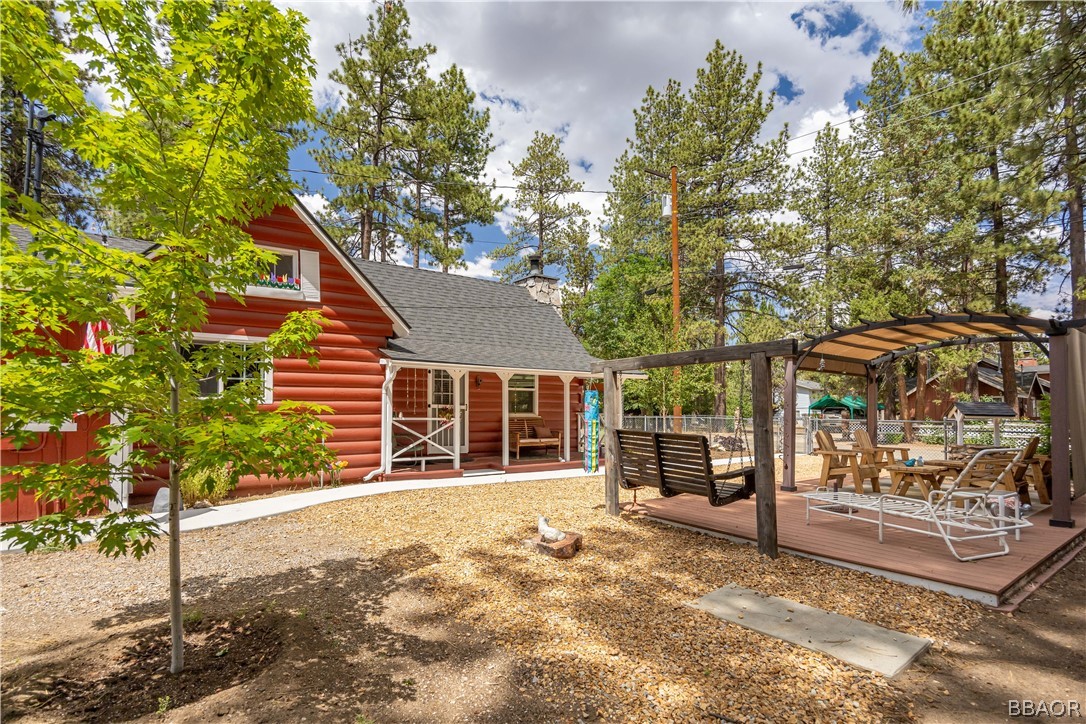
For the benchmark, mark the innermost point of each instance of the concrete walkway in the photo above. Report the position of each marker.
(242, 511)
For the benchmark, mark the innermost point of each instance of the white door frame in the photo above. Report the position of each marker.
(465, 408)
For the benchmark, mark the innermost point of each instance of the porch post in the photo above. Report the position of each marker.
(612, 421)
(566, 379)
(1061, 432)
(457, 375)
(788, 444)
(765, 488)
(504, 377)
(386, 416)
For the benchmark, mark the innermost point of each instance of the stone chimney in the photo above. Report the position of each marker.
(542, 288)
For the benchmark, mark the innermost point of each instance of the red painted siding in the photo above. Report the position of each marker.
(349, 376)
(50, 448)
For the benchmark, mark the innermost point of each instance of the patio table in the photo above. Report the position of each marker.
(902, 477)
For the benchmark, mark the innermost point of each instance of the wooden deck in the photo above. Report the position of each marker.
(909, 557)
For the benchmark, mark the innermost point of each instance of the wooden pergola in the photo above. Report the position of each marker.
(866, 351)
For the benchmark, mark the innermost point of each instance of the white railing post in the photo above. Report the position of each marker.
(505, 377)
(566, 379)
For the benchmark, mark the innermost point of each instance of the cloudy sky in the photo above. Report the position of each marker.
(580, 68)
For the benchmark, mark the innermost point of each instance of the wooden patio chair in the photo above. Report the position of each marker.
(1025, 462)
(881, 455)
(836, 464)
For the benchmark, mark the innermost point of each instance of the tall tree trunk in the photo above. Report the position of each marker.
(972, 381)
(921, 386)
(445, 231)
(1002, 292)
(720, 338)
(177, 633)
(1077, 235)
(417, 253)
(903, 399)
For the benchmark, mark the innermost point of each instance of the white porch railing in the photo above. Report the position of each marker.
(421, 439)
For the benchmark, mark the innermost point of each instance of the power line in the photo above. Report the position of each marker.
(905, 100)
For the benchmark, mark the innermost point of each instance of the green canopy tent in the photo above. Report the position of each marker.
(855, 406)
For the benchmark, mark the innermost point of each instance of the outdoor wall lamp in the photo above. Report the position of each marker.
(478, 381)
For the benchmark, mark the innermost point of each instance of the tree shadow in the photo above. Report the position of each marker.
(315, 638)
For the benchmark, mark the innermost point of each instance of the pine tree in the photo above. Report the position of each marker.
(461, 134)
(966, 67)
(543, 214)
(367, 133)
(831, 195)
(733, 183)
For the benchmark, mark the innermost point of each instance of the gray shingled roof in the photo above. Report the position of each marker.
(985, 409)
(459, 320)
(22, 238)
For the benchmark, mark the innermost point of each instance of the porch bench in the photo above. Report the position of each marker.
(531, 432)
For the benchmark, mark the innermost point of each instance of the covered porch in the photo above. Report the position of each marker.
(446, 420)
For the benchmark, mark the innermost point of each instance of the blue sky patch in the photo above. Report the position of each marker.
(827, 20)
(786, 88)
(499, 100)
(856, 93)
(584, 163)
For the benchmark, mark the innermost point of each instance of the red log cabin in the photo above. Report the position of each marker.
(403, 349)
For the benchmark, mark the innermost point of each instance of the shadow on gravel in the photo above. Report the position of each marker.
(304, 642)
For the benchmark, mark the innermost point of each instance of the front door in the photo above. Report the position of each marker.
(441, 406)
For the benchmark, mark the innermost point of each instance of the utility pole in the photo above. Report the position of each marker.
(35, 150)
(677, 411)
(675, 372)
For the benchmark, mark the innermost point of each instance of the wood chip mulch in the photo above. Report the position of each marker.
(611, 624)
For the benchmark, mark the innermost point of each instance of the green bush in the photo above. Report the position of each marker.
(210, 484)
(895, 438)
(1044, 407)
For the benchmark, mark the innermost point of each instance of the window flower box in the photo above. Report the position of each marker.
(278, 282)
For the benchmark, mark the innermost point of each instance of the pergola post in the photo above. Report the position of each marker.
(765, 489)
(872, 405)
(612, 421)
(788, 444)
(1061, 433)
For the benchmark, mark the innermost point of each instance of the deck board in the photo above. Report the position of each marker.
(856, 543)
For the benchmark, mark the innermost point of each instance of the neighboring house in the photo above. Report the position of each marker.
(940, 396)
(807, 391)
(401, 348)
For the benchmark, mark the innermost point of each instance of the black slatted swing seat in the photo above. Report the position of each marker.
(674, 464)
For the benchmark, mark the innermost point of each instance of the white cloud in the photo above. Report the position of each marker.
(583, 67)
(316, 203)
(481, 268)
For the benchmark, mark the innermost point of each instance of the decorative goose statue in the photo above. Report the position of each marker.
(548, 533)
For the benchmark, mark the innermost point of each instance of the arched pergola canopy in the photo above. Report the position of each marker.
(857, 350)
(863, 351)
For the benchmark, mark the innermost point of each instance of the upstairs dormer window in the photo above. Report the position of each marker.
(283, 273)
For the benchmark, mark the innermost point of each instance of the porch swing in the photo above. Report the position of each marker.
(675, 463)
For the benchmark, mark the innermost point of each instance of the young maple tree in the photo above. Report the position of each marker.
(192, 145)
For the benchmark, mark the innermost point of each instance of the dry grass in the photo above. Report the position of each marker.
(610, 625)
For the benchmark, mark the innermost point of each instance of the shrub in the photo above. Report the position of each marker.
(210, 484)
(895, 438)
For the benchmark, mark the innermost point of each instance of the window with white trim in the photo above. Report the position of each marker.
(522, 394)
(283, 272)
(216, 382)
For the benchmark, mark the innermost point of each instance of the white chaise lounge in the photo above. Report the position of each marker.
(955, 514)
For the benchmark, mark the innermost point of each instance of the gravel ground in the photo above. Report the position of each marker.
(605, 634)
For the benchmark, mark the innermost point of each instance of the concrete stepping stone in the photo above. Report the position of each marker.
(861, 644)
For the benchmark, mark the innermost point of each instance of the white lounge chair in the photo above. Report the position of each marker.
(953, 514)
